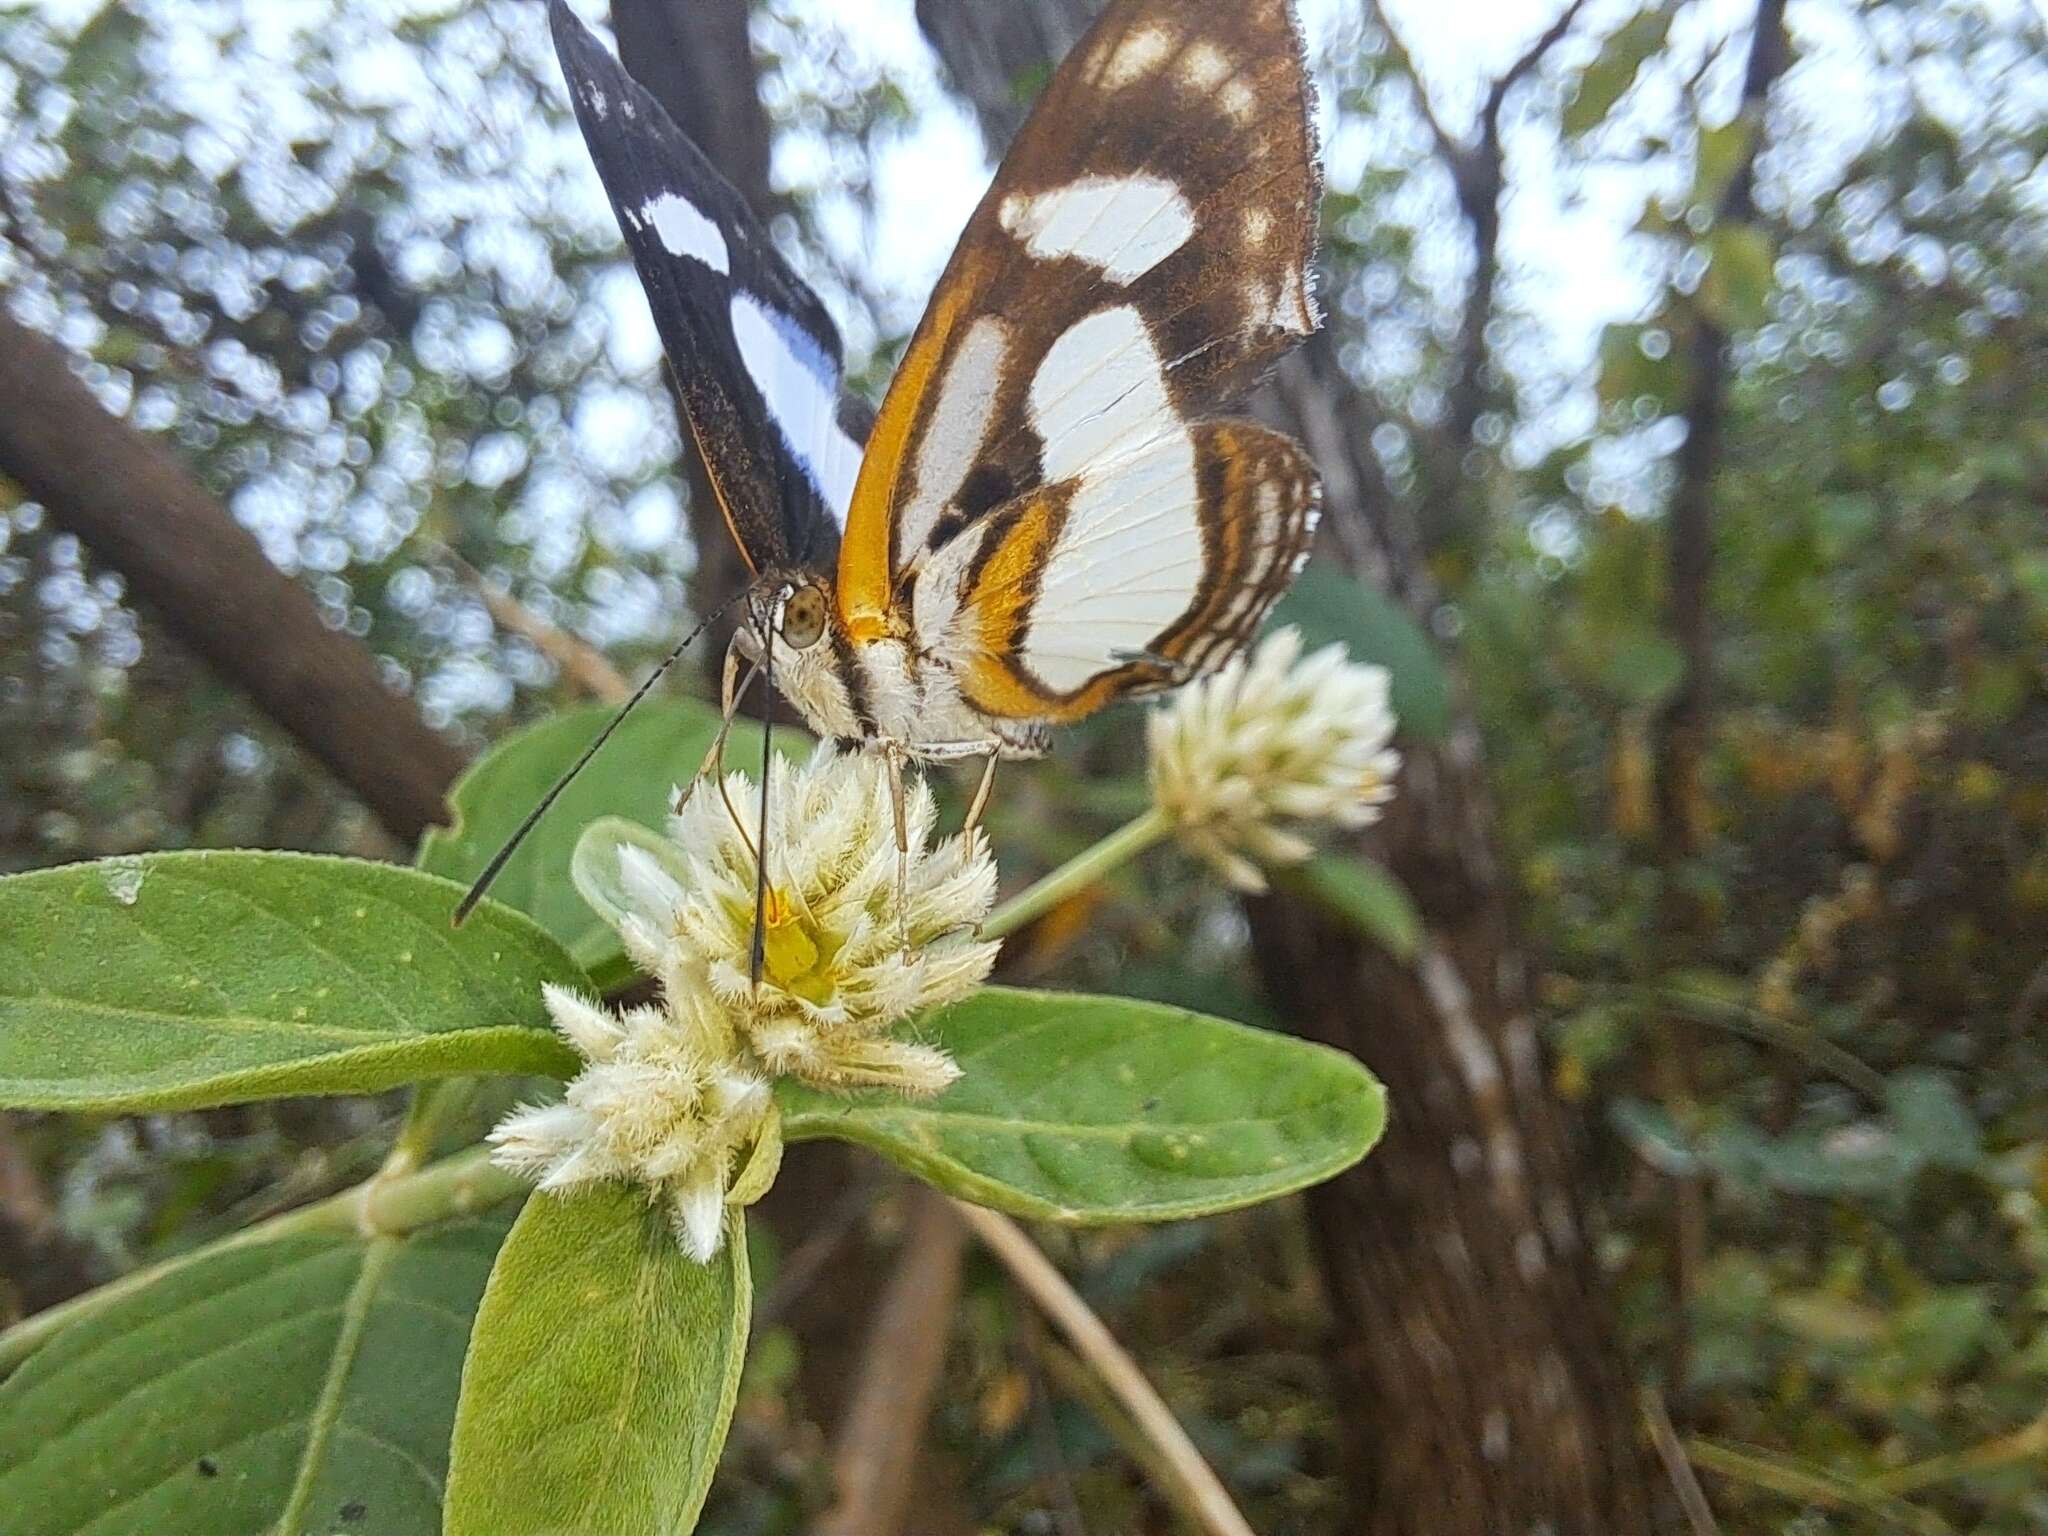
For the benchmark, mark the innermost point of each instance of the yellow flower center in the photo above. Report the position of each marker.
(796, 952)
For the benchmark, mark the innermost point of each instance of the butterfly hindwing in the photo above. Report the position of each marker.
(755, 356)
(1049, 610)
(1143, 253)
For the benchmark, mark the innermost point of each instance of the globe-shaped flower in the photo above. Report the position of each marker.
(857, 934)
(663, 1101)
(1272, 737)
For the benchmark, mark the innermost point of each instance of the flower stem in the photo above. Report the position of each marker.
(1190, 1483)
(433, 1105)
(1078, 873)
(388, 1205)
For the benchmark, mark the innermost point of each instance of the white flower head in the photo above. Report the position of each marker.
(1272, 737)
(858, 934)
(662, 1101)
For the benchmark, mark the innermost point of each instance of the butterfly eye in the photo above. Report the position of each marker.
(803, 618)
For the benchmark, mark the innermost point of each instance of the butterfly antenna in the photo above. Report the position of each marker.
(511, 845)
(759, 952)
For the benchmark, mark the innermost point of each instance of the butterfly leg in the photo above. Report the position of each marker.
(732, 691)
(981, 793)
(892, 756)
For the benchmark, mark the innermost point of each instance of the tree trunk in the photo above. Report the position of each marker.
(1480, 1386)
(128, 499)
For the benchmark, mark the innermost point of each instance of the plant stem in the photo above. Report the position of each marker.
(389, 1205)
(1078, 873)
(433, 1105)
(1807, 1483)
(1190, 1483)
(2023, 1444)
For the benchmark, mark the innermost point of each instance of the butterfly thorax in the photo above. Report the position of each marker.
(882, 690)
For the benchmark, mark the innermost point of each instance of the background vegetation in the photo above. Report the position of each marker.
(1747, 605)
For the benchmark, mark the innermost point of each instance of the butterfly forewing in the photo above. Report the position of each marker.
(755, 356)
(1143, 253)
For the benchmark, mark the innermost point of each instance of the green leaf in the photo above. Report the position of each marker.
(1094, 1110)
(1608, 78)
(602, 1375)
(1933, 1119)
(660, 746)
(178, 980)
(1328, 606)
(294, 1387)
(1366, 895)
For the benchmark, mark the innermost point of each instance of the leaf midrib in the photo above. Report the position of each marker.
(1078, 1129)
(250, 1023)
(636, 1367)
(378, 1254)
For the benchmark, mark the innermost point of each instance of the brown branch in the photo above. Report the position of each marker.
(1447, 144)
(40, 1263)
(1188, 1481)
(130, 502)
(1690, 554)
(879, 1434)
(583, 665)
(1531, 56)
(1685, 1483)
(992, 48)
(1682, 726)
(1478, 178)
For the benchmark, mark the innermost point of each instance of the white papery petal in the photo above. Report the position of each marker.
(698, 1212)
(590, 1029)
(534, 1137)
(1272, 736)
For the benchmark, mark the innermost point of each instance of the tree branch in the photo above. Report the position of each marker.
(1681, 731)
(994, 49)
(36, 1252)
(1447, 145)
(1689, 566)
(1478, 177)
(130, 502)
(1193, 1487)
(876, 1452)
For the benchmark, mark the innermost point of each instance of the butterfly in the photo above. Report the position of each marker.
(1046, 514)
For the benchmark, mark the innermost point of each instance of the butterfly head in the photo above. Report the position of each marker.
(796, 609)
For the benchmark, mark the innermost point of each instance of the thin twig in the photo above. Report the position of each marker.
(1795, 1479)
(1533, 55)
(800, 1271)
(2027, 1443)
(1397, 49)
(1692, 1498)
(1193, 1487)
(581, 663)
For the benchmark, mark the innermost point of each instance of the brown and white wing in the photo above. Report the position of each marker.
(1152, 567)
(1040, 469)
